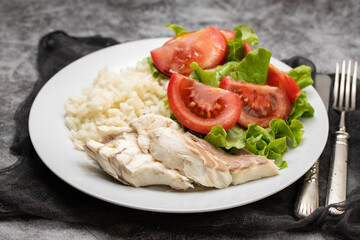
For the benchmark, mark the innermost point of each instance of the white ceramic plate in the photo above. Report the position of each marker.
(52, 142)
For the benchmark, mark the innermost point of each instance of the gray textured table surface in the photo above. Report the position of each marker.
(323, 31)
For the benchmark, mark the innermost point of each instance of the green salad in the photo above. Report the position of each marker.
(244, 64)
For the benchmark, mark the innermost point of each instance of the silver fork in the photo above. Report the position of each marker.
(344, 91)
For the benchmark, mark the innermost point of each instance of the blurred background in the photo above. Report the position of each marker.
(324, 31)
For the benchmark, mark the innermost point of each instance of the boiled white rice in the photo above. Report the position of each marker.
(113, 100)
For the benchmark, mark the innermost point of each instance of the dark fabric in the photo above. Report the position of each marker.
(29, 189)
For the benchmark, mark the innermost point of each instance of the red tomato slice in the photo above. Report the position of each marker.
(278, 78)
(259, 103)
(200, 107)
(247, 48)
(229, 35)
(178, 37)
(207, 47)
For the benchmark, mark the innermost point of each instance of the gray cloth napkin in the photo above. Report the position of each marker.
(29, 189)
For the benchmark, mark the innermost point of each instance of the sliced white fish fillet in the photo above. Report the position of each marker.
(176, 151)
(155, 151)
(145, 123)
(243, 166)
(122, 159)
(204, 163)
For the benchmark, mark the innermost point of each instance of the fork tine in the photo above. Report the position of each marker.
(347, 87)
(336, 85)
(353, 87)
(342, 87)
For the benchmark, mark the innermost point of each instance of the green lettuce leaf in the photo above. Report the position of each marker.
(247, 34)
(176, 28)
(292, 132)
(255, 131)
(234, 138)
(270, 142)
(236, 46)
(212, 76)
(217, 136)
(254, 67)
(256, 145)
(302, 76)
(300, 108)
(154, 71)
(276, 150)
(236, 51)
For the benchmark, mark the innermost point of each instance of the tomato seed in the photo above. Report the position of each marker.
(192, 104)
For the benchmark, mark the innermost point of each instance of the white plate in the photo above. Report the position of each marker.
(52, 142)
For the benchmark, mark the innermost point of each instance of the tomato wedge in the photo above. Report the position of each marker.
(207, 47)
(259, 103)
(177, 37)
(278, 78)
(229, 35)
(200, 107)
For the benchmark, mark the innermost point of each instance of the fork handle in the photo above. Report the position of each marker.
(336, 192)
(307, 200)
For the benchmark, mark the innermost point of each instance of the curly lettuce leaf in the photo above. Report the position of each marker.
(258, 139)
(255, 131)
(234, 138)
(176, 28)
(300, 108)
(302, 76)
(256, 145)
(212, 76)
(247, 34)
(292, 132)
(276, 150)
(236, 51)
(270, 142)
(217, 136)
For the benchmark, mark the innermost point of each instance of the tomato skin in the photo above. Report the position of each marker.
(207, 47)
(247, 47)
(229, 35)
(278, 78)
(200, 107)
(259, 103)
(177, 37)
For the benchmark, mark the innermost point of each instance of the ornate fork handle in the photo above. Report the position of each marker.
(338, 171)
(308, 198)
